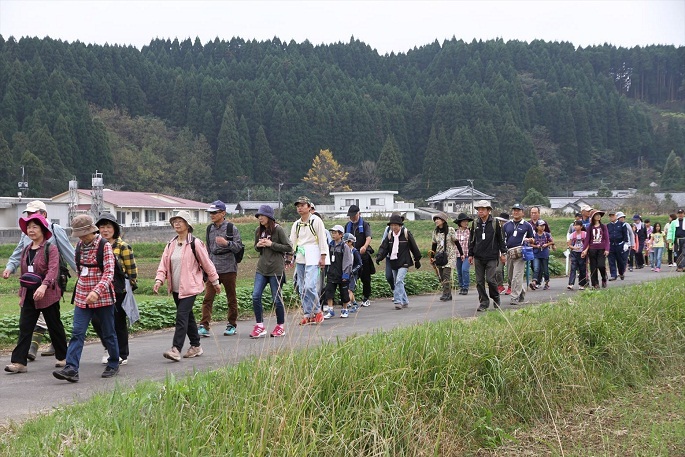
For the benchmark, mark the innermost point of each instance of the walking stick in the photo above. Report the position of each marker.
(435, 268)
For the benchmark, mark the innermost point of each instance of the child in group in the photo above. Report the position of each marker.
(648, 243)
(656, 243)
(575, 244)
(339, 271)
(349, 240)
(543, 240)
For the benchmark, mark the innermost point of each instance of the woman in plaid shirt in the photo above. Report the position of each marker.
(462, 222)
(94, 296)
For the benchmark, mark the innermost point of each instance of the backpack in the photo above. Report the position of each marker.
(63, 275)
(119, 281)
(229, 229)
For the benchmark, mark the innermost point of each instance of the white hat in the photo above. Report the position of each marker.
(620, 215)
(337, 228)
(35, 206)
(185, 215)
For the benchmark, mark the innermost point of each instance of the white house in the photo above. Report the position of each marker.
(370, 203)
(138, 209)
(457, 199)
(12, 208)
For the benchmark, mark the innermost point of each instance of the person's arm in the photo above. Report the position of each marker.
(347, 262)
(455, 240)
(128, 260)
(15, 258)
(206, 264)
(102, 288)
(281, 243)
(367, 241)
(66, 250)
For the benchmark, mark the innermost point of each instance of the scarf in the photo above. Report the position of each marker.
(395, 245)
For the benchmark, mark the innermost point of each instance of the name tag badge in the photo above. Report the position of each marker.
(515, 232)
(84, 271)
(333, 258)
(30, 268)
(483, 236)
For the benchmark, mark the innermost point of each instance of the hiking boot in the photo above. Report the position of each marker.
(15, 368)
(448, 297)
(33, 351)
(66, 374)
(481, 308)
(230, 330)
(193, 351)
(279, 330)
(173, 354)
(204, 332)
(49, 352)
(258, 331)
(110, 372)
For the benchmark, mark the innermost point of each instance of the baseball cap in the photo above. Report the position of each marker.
(35, 206)
(337, 228)
(681, 211)
(354, 209)
(517, 206)
(579, 214)
(218, 205)
(303, 199)
(349, 237)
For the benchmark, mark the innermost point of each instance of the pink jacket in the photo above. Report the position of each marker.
(50, 272)
(191, 275)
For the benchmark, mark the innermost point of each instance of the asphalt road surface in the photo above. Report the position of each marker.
(35, 392)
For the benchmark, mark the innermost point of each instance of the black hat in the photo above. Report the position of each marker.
(108, 218)
(354, 209)
(462, 217)
(396, 219)
(517, 206)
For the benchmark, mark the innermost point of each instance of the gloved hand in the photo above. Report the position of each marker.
(626, 247)
(134, 286)
(378, 260)
(417, 264)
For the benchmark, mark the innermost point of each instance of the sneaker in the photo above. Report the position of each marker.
(15, 368)
(622, 277)
(305, 320)
(110, 372)
(318, 318)
(546, 287)
(604, 284)
(193, 351)
(105, 358)
(230, 330)
(353, 308)
(613, 278)
(496, 304)
(203, 331)
(66, 374)
(532, 285)
(258, 331)
(366, 303)
(279, 330)
(630, 269)
(344, 313)
(569, 287)
(329, 313)
(481, 309)
(657, 270)
(500, 289)
(60, 364)
(49, 352)
(405, 305)
(581, 288)
(123, 361)
(508, 292)
(173, 354)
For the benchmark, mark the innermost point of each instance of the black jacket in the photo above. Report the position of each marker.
(407, 248)
(489, 247)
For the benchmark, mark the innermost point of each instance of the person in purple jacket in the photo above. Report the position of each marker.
(596, 248)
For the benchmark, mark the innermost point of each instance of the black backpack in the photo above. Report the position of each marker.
(229, 229)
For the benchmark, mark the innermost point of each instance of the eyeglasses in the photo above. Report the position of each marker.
(212, 213)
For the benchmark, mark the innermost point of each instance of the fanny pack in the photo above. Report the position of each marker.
(30, 281)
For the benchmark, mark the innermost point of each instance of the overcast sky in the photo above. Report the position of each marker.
(384, 25)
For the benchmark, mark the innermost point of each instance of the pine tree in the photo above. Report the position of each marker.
(672, 176)
(227, 163)
(536, 179)
(9, 170)
(390, 167)
(263, 159)
(326, 175)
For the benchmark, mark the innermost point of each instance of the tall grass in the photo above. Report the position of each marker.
(435, 389)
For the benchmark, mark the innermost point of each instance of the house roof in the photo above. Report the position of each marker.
(124, 199)
(602, 203)
(677, 197)
(459, 193)
(254, 205)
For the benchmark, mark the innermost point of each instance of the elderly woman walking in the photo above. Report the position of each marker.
(39, 292)
(444, 253)
(183, 262)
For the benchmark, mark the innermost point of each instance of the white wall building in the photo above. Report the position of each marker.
(371, 203)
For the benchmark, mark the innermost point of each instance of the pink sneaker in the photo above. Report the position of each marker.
(657, 269)
(278, 331)
(258, 331)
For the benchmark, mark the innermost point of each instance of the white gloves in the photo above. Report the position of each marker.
(626, 246)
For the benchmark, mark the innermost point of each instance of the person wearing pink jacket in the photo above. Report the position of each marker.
(183, 263)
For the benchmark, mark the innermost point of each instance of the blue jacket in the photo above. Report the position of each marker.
(618, 232)
(515, 231)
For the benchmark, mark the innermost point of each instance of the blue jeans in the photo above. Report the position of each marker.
(307, 281)
(82, 317)
(260, 282)
(578, 264)
(541, 270)
(655, 257)
(463, 273)
(399, 294)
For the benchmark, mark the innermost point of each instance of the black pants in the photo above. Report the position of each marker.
(365, 275)
(185, 322)
(597, 263)
(27, 322)
(120, 326)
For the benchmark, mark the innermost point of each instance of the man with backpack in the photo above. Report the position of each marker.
(225, 250)
(361, 230)
(66, 251)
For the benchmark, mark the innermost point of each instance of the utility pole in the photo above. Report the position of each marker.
(23, 184)
(96, 202)
(280, 184)
(472, 202)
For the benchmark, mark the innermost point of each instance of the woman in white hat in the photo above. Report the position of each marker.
(183, 262)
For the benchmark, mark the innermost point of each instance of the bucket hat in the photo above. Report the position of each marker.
(185, 215)
(82, 225)
(462, 217)
(45, 225)
(105, 218)
(482, 204)
(441, 215)
(396, 219)
(266, 210)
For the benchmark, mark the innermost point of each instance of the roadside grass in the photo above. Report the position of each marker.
(448, 388)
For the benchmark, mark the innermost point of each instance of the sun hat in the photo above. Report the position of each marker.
(441, 215)
(266, 210)
(216, 206)
(45, 225)
(35, 206)
(185, 215)
(462, 217)
(396, 219)
(620, 215)
(108, 218)
(82, 225)
(596, 211)
(482, 204)
(337, 228)
(586, 207)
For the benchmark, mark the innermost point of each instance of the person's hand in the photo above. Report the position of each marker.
(217, 288)
(362, 250)
(221, 241)
(606, 253)
(6, 274)
(322, 261)
(431, 260)
(40, 292)
(92, 297)
(155, 288)
(378, 260)
(626, 247)
(470, 260)
(583, 254)
(417, 264)
(134, 286)
(503, 259)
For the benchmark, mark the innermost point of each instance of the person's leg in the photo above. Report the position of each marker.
(82, 317)
(446, 282)
(479, 268)
(639, 255)
(193, 333)
(593, 254)
(582, 271)
(228, 280)
(537, 272)
(620, 261)
(658, 253)
(516, 270)
(365, 276)
(121, 326)
(311, 280)
(257, 291)
(389, 275)
(276, 285)
(573, 268)
(56, 330)
(109, 336)
(465, 274)
(669, 254)
(490, 269)
(399, 286)
(28, 317)
(183, 308)
(614, 254)
(544, 265)
(305, 303)
(95, 322)
(207, 305)
(499, 274)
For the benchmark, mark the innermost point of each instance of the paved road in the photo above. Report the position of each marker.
(23, 395)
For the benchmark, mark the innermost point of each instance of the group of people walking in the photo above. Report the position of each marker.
(326, 263)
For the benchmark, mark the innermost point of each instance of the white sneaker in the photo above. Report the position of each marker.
(123, 361)
(344, 313)
(329, 313)
(366, 303)
(105, 358)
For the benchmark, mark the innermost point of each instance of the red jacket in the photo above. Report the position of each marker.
(49, 272)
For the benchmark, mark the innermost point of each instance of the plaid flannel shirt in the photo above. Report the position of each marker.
(463, 238)
(95, 280)
(124, 254)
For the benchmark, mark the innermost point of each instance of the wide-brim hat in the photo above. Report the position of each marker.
(620, 214)
(108, 218)
(82, 225)
(44, 224)
(185, 215)
(482, 204)
(35, 206)
(396, 219)
(594, 212)
(266, 210)
(441, 215)
(462, 217)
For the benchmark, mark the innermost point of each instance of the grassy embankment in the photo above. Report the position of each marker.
(447, 388)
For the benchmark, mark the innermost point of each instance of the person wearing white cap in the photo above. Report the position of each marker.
(618, 244)
(486, 246)
(338, 273)
(66, 251)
